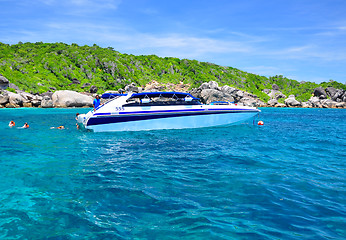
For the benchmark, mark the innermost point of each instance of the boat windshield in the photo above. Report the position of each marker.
(162, 98)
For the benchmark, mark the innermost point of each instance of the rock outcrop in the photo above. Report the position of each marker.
(67, 98)
(3, 82)
(292, 102)
(211, 92)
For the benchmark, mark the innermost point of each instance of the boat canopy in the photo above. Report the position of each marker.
(111, 95)
(173, 95)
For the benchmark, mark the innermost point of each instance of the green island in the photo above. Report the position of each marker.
(40, 67)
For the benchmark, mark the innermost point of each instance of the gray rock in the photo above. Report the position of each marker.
(132, 88)
(75, 81)
(85, 85)
(212, 95)
(331, 91)
(210, 85)
(273, 102)
(93, 89)
(328, 103)
(11, 85)
(319, 91)
(47, 94)
(248, 101)
(67, 98)
(275, 94)
(337, 95)
(27, 97)
(280, 105)
(275, 87)
(228, 89)
(266, 91)
(341, 105)
(292, 102)
(306, 104)
(344, 97)
(323, 96)
(4, 99)
(3, 82)
(239, 94)
(16, 99)
(47, 102)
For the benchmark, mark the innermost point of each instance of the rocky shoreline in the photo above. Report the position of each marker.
(208, 92)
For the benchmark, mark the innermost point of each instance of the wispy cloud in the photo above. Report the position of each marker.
(79, 7)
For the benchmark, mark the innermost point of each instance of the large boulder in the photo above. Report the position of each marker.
(328, 103)
(27, 97)
(36, 101)
(212, 95)
(306, 104)
(248, 101)
(16, 99)
(338, 95)
(319, 91)
(273, 102)
(228, 89)
(4, 99)
(67, 98)
(209, 85)
(331, 91)
(3, 82)
(341, 105)
(47, 102)
(132, 88)
(344, 97)
(275, 94)
(292, 102)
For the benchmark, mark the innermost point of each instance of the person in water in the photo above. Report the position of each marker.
(60, 127)
(96, 102)
(12, 124)
(26, 125)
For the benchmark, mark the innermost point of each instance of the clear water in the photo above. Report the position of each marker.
(283, 180)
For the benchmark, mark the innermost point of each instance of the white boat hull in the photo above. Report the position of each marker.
(175, 123)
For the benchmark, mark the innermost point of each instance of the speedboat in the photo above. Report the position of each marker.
(160, 110)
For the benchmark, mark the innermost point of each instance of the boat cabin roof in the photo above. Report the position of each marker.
(173, 95)
(156, 98)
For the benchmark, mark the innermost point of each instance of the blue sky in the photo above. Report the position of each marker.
(301, 39)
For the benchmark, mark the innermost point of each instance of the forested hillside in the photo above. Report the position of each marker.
(35, 67)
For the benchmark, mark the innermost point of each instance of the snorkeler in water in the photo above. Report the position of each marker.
(60, 127)
(12, 124)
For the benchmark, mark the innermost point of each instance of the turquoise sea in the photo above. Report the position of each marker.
(283, 180)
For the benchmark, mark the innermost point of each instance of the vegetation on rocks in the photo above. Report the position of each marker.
(40, 67)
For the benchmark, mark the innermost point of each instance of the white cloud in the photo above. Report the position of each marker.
(76, 7)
